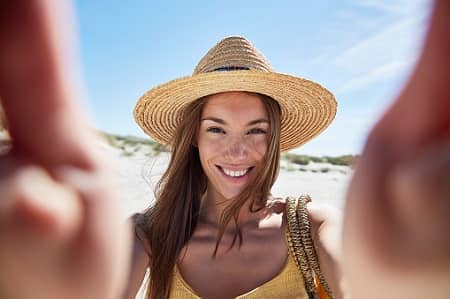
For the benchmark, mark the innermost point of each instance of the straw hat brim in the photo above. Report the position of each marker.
(307, 108)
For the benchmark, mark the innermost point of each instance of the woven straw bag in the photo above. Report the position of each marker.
(301, 244)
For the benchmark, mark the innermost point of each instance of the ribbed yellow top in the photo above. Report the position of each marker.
(287, 284)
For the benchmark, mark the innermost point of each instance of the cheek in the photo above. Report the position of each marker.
(259, 146)
(208, 149)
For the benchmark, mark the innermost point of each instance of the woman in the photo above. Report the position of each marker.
(219, 233)
(58, 206)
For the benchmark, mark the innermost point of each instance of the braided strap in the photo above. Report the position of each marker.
(296, 246)
(300, 231)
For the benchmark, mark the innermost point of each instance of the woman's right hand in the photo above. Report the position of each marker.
(61, 231)
(396, 225)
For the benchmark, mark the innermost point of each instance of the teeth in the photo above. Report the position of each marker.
(237, 173)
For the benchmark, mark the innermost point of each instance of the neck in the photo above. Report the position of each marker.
(213, 205)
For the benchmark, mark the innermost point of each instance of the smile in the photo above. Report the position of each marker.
(236, 173)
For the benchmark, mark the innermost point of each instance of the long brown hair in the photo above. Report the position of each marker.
(171, 221)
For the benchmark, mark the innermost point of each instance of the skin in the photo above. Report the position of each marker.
(398, 209)
(57, 205)
(401, 250)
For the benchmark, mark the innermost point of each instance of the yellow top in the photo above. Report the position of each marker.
(288, 283)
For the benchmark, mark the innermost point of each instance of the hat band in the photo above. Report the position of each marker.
(230, 68)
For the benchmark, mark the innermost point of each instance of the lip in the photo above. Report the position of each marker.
(241, 179)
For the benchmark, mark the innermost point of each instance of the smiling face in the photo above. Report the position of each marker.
(232, 140)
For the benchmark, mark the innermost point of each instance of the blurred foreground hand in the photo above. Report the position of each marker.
(61, 231)
(397, 221)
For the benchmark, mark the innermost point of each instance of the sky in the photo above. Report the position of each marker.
(360, 50)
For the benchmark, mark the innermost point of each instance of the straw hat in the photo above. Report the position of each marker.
(234, 64)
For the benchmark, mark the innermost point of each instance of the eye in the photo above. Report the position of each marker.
(257, 131)
(215, 130)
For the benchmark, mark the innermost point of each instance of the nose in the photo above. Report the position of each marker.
(237, 149)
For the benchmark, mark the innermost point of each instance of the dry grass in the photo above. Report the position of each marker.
(129, 145)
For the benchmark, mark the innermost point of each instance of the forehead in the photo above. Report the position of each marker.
(235, 105)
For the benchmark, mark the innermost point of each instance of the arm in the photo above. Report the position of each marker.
(139, 264)
(396, 239)
(326, 234)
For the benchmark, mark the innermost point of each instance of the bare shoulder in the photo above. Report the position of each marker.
(326, 232)
(321, 213)
(326, 229)
(140, 258)
(141, 240)
(318, 212)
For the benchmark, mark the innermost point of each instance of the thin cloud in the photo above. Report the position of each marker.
(396, 7)
(386, 54)
(381, 73)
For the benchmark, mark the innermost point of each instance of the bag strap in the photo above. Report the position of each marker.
(302, 245)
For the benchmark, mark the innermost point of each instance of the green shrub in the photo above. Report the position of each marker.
(127, 154)
(158, 148)
(290, 168)
(297, 159)
(346, 160)
(317, 159)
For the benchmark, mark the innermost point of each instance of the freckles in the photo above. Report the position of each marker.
(209, 144)
(209, 153)
(258, 146)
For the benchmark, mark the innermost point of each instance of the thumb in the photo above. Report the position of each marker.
(421, 114)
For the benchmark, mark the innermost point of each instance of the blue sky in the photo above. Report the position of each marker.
(361, 50)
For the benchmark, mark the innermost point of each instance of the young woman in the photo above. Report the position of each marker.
(61, 232)
(215, 230)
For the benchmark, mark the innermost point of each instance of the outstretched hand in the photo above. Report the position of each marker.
(61, 231)
(396, 236)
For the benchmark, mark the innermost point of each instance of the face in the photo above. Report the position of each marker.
(232, 140)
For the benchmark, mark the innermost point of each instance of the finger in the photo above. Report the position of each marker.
(422, 112)
(37, 82)
(33, 204)
(414, 120)
(380, 248)
(103, 228)
(420, 190)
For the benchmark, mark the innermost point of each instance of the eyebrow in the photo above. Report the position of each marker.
(221, 121)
